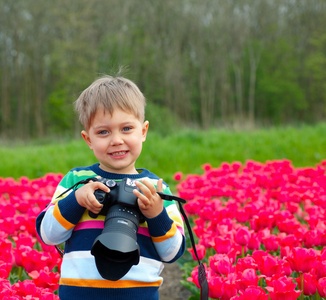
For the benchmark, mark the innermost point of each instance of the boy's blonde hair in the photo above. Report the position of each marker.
(109, 93)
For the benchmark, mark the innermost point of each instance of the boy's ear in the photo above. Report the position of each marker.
(86, 138)
(145, 130)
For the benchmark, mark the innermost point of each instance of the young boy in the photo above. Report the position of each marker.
(111, 110)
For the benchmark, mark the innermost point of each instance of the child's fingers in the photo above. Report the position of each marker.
(160, 185)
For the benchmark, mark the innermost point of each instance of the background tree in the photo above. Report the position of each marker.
(200, 63)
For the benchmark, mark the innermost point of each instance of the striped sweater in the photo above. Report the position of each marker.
(161, 239)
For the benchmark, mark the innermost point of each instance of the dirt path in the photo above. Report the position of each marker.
(172, 289)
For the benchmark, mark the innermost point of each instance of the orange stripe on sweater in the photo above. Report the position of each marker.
(97, 283)
(57, 214)
(168, 235)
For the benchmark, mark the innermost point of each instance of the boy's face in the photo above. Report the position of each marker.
(116, 140)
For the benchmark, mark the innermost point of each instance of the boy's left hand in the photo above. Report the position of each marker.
(149, 202)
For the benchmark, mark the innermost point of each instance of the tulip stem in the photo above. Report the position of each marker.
(301, 275)
(20, 273)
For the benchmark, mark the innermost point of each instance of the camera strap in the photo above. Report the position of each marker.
(202, 279)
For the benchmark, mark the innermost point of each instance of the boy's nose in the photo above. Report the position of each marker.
(116, 139)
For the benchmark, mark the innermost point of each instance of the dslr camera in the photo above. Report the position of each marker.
(116, 249)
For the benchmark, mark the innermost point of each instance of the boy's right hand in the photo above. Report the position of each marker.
(86, 198)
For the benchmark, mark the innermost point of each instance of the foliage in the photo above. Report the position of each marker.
(183, 150)
(203, 62)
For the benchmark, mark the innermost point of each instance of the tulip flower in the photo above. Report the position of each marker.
(309, 283)
(254, 241)
(244, 263)
(45, 278)
(5, 269)
(282, 288)
(321, 287)
(252, 293)
(229, 289)
(247, 278)
(222, 245)
(302, 259)
(271, 243)
(320, 267)
(200, 249)
(270, 266)
(242, 236)
(215, 284)
(177, 176)
(221, 264)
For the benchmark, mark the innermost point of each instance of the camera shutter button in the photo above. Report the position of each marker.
(110, 183)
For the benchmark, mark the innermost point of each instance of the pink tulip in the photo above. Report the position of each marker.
(215, 286)
(5, 269)
(244, 263)
(309, 283)
(320, 267)
(252, 293)
(271, 243)
(221, 264)
(321, 287)
(302, 259)
(200, 249)
(282, 288)
(229, 290)
(177, 176)
(270, 266)
(254, 242)
(312, 238)
(222, 245)
(242, 236)
(248, 277)
(45, 279)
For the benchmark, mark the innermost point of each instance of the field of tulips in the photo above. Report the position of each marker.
(28, 268)
(261, 230)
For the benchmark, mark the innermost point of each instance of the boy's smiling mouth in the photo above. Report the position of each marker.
(118, 153)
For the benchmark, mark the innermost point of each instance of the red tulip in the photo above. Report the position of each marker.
(177, 176)
(320, 267)
(252, 293)
(221, 264)
(271, 243)
(5, 269)
(215, 283)
(282, 288)
(270, 266)
(229, 288)
(254, 242)
(242, 236)
(45, 279)
(312, 238)
(247, 278)
(200, 249)
(321, 287)
(302, 259)
(309, 283)
(244, 263)
(222, 245)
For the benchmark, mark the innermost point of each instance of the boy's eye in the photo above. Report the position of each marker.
(126, 128)
(103, 132)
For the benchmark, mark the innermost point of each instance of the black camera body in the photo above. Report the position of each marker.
(116, 249)
(120, 193)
